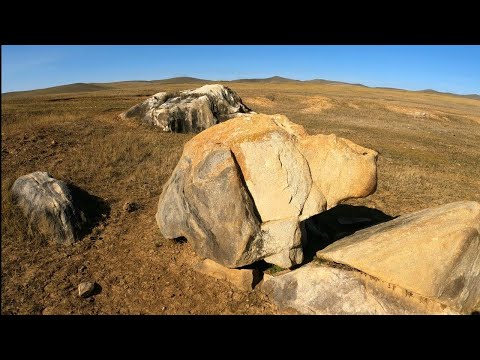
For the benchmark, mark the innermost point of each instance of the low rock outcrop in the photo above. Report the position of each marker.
(189, 111)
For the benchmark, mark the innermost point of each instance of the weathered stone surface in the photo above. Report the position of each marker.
(86, 289)
(242, 188)
(333, 159)
(433, 253)
(324, 290)
(48, 207)
(244, 279)
(283, 238)
(209, 206)
(278, 160)
(190, 110)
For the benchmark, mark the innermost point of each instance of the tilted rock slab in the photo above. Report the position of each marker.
(319, 289)
(427, 262)
(48, 207)
(434, 253)
(242, 188)
(189, 111)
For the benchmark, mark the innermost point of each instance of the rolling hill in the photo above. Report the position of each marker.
(89, 87)
(62, 89)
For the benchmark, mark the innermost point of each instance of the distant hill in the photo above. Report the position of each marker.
(431, 91)
(62, 89)
(331, 82)
(176, 80)
(273, 79)
(89, 87)
(179, 80)
(473, 96)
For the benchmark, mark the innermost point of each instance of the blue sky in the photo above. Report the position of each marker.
(444, 68)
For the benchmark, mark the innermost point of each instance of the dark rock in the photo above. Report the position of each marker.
(130, 206)
(48, 206)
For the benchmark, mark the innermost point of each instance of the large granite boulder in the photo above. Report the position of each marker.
(189, 111)
(48, 206)
(242, 189)
(434, 253)
(424, 262)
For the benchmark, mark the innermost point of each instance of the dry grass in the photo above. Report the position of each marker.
(424, 161)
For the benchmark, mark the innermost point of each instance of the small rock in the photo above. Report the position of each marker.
(243, 279)
(129, 206)
(164, 308)
(53, 143)
(85, 289)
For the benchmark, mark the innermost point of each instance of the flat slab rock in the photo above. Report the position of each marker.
(244, 279)
(48, 207)
(243, 188)
(189, 111)
(318, 289)
(434, 253)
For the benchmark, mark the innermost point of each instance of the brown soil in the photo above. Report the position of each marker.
(138, 271)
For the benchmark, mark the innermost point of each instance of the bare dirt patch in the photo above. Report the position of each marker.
(316, 104)
(259, 101)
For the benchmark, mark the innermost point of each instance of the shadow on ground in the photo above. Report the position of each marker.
(95, 209)
(332, 225)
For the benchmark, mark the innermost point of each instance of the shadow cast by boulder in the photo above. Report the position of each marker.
(332, 225)
(94, 208)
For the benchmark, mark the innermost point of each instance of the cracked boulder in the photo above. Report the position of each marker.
(427, 262)
(189, 111)
(242, 189)
(48, 207)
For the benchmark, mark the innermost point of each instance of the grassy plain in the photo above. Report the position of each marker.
(429, 145)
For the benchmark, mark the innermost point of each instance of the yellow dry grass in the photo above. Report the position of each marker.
(258, 101)
(315, 104)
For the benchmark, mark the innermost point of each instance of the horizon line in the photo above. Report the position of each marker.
(245, 79)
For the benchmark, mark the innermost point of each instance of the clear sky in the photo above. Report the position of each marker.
(443, 68)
